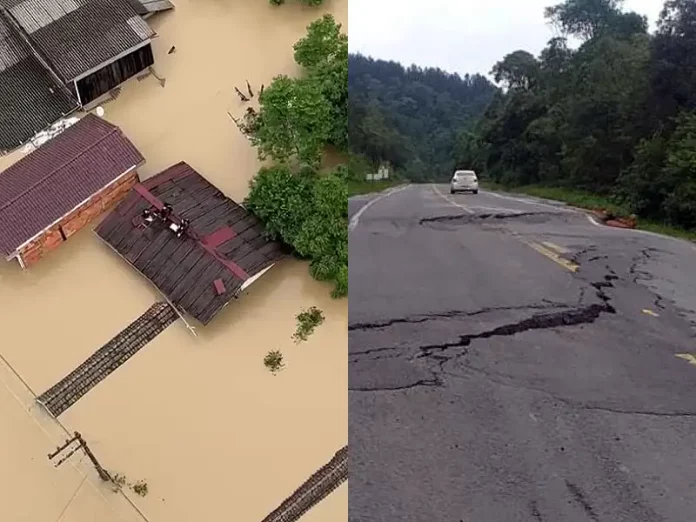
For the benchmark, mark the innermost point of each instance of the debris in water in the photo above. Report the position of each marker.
(241, 95)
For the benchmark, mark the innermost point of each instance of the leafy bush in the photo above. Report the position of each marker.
(307, 321)
(310, 213)
(274, 361)
(324, 55)
(294, 121)
(300, 116)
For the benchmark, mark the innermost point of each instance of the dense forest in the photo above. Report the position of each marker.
(614, 115)
(411, 117)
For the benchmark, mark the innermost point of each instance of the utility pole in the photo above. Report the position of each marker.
(81, 444)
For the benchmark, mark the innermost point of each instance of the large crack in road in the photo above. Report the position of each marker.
(451, 314)
(574, 409)
(563, 316)
(468, 219)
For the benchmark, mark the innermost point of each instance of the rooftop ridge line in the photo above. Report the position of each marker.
(45, 62)
(111, 132)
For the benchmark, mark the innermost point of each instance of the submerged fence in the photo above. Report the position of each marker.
(315, 489)
(108, 358)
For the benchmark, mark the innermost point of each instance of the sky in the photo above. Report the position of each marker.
(462, 36)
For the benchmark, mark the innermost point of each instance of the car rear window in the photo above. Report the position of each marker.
(465, 175)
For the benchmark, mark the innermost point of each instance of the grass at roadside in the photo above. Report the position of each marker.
(587, 200)
(355, 188)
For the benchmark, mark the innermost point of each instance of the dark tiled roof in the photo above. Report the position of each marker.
(53, 180)
(78, 35)
(31, 99)
(204, 269)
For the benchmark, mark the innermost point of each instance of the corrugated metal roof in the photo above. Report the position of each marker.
(47, 184)
(76, 36)
(32, 98)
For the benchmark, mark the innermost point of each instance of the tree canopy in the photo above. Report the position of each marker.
(615, 116)
(411, 117)
(298, 118)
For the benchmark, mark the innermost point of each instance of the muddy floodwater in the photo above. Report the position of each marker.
(214, 434)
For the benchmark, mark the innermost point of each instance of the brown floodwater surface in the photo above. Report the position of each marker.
(211, 430)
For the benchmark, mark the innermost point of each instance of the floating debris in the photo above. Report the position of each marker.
(48, 134)
(241, 95)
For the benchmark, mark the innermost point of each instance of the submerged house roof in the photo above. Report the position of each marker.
(224, 249)
(75, 36)
(47, 184)
(31, 98)
(46, 44)
(146, 8)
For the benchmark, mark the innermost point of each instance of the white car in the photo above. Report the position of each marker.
(464, 181)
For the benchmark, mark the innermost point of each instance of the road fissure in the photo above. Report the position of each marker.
(450, 314)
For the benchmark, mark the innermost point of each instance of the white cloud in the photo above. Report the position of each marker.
(456, 35)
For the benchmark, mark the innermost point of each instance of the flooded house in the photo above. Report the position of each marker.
(198, 247)
(57, 56)
(57, 190)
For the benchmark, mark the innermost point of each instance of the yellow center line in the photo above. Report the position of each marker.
(687, 357)
(448, 200)
(568, 265)
(553, 246)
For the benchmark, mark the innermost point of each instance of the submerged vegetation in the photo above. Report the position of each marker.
(298, 119)
(274, 361)
(307, 321)
(139, 487)
(305, 2)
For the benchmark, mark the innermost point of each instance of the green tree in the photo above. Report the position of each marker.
(588, 19)
(294, 121)
(304, 208)
(411, 117)
(279, 198)
(324, 55)
(308, 212)
(518, 70)
(680, 173)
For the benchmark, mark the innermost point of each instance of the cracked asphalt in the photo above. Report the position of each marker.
(490, 380)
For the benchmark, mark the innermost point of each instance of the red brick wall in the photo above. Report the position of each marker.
(77, 219)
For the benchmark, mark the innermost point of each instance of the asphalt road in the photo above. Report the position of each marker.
(512, 361)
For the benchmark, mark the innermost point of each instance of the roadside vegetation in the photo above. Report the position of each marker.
(358, 167)
(298, 119)
(591, 201)
(614, 118)
(604, 116)
(357, 187)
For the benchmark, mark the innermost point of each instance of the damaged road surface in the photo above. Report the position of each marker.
(489, 381)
